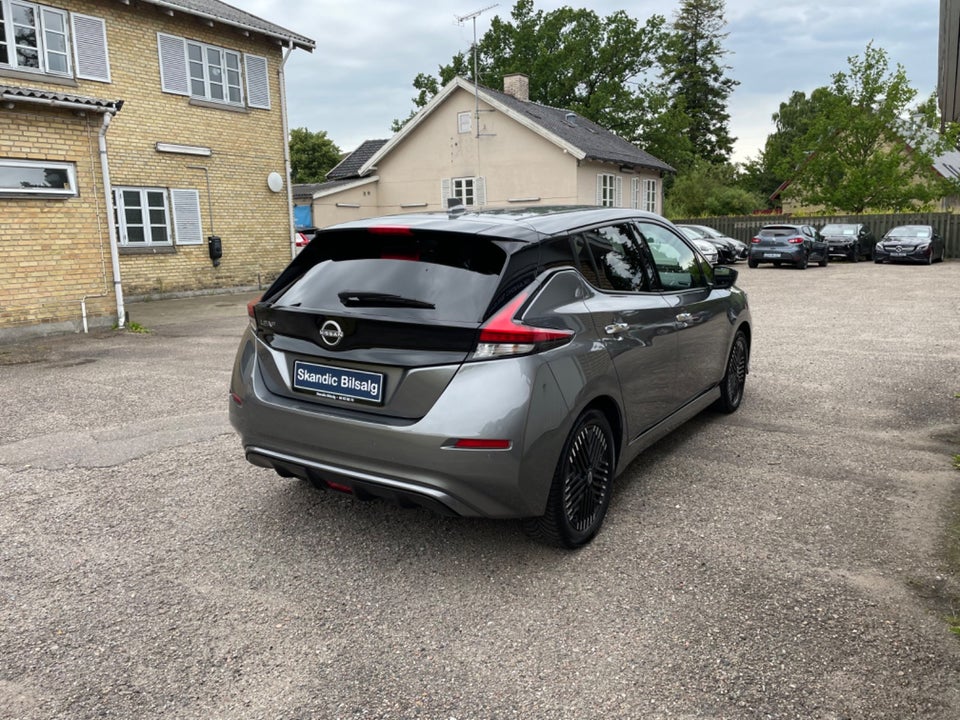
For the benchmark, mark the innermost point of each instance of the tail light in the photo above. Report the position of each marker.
(795, 240)
(250, 311)
(754, 239)
(504, 335)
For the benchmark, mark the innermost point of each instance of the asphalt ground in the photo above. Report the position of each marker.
(787, 561)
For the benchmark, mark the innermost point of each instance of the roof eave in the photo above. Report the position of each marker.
(298, 41)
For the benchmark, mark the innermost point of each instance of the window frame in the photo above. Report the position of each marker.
(120, 207)
(609, 190)
(650, 195)
(42, 46)
(206, 78)
(464, 122)
(69, 167)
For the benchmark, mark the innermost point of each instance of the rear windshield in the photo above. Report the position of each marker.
(779, 232)
(839, 230)
(399, 273)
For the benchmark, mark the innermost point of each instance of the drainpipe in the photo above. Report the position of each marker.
(111, 224)
(286, 150)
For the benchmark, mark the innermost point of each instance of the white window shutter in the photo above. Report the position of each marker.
(186, 216)
(258, 81)
(90, 54)
(173, 64)
(480, 191)
(444, 192)
(618, 191)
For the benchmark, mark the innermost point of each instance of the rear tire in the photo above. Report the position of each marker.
(855, 255)
(752, 263)
(824, 261)
(802, 262)
(582, 485)
(734, 379)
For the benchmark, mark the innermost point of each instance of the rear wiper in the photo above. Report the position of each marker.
(376, 299)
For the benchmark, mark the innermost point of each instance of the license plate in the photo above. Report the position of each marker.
(338, 383)
(773, 255)
(896, 254)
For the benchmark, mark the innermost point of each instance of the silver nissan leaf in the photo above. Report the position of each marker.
(502, 364)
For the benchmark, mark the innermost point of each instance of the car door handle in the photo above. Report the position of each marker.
(685, 318)
(616, 328)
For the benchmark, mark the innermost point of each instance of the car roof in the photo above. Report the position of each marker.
(520, 223)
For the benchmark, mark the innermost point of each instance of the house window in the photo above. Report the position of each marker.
(37, 38)
(464, 122)
(35, 177)
(34, 37)
(471, 191)
(650, 195)
(142, 216)
(215, 74)
(145, 216)
(609, 190)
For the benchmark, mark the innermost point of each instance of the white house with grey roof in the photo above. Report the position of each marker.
(486, 148)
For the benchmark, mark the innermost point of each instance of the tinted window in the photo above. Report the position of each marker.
(611, 259)
(557, 252)
(431, 276)
(676, 262)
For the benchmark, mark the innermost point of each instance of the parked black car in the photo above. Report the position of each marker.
(729, 249)
(911, 243)
(850, 240)
(798, 245)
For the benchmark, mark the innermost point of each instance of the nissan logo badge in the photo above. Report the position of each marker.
(331, 333)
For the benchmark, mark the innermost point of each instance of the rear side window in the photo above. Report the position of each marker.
(397, 273)
(610, 259)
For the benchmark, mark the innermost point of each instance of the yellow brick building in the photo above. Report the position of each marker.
(130, 134)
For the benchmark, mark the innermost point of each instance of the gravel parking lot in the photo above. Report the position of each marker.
(788, 561)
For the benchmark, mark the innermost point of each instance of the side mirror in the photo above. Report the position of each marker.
(724, 277)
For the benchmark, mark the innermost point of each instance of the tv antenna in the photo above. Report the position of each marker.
(473, 16)
(476, 87)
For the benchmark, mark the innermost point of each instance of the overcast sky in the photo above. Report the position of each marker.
(360, 76)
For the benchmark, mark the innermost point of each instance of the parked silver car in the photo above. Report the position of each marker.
(496, 364)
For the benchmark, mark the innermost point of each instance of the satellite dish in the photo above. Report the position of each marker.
(275, 182)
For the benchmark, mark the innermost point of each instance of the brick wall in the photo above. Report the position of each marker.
(246, 145)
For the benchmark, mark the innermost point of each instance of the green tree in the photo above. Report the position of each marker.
(312, 155)
(862, 149)
(694, 73)
(785, 150)
(709, 189)
(600, 68)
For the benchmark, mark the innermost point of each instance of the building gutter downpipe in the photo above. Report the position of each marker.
(111, 223)
(286, 150)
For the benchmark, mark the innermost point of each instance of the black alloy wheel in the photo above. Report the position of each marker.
(735, 378)
(582, 485)
(855, 254)
(802, 262)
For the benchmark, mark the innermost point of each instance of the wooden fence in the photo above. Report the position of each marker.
(744, 227)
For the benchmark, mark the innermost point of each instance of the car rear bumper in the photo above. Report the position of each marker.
(793, 254)
(413, 462)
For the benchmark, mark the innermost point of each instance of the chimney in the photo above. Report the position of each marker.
(517, 85)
